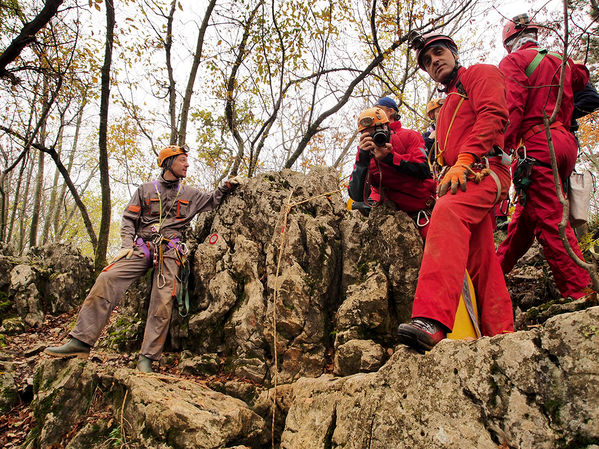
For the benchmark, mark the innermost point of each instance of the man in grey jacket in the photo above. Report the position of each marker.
(152, 229)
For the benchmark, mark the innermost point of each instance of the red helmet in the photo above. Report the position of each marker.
(422, 42)
(517, 25)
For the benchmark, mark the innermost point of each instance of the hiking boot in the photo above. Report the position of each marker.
(144, 364)
(421, 334)
(72, 348)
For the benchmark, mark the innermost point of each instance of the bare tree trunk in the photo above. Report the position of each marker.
(346, 149)
(23, 215)
(192, 74)
(4, 205)
(70, 212)
(104, 231)
(50, 210)
(37, 200)
(172, 91)
(230, 112)
(63, 188)
(39, 179)
(16, 199)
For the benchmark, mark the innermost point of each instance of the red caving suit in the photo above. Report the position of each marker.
(404, 176)
(460, 235)
(540, 216)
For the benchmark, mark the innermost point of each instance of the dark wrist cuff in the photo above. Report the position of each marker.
(363, 157)
(388, 159)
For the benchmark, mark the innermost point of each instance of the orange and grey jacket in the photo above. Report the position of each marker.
(165, 206)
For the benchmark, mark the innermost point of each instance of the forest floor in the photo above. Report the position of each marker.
(25, 350)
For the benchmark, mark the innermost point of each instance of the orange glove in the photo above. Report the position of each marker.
(456, 175)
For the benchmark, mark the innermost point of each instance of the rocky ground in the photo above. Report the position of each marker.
(340, 289)
(25, 350)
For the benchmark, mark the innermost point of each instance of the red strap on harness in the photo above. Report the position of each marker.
(538, 128)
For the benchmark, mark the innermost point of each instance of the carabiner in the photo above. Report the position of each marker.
(159, 278)
(422, 213)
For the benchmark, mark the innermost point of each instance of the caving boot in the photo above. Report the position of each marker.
(421, 334)
(72, 348)
(144, 364)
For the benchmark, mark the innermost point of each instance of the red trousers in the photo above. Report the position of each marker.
(542, 213)
(460, 237)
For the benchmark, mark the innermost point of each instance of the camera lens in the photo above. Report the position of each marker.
(380, 138)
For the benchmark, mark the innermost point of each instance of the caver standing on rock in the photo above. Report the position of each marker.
(532, 77)
(460, 236)
(151, 232)
(391, 165)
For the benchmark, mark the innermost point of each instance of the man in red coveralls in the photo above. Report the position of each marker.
(394, 168)
(469, 136)
(532, 78)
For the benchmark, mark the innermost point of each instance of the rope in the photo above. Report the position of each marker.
(282, 243)
(123, 435)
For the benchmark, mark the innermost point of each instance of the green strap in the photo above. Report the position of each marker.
(538, 58)
(183, 295)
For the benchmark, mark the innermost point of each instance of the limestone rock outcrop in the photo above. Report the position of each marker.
(535, 389)
(51, 279)
(144, 410)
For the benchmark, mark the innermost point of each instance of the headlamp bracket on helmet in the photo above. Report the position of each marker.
(366, 122)
(521, 21)
(416, 40)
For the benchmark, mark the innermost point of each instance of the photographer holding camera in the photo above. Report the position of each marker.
(392, 165)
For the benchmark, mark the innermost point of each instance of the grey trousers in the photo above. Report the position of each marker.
(108, 290)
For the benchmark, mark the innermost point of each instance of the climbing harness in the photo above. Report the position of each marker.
(159, 243)
(523, 174)
(541, 53)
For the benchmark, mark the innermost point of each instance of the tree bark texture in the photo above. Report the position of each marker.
(104, 231)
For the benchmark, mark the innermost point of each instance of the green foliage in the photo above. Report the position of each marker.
(115, 437)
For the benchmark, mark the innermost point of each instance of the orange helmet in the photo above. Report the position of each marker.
(170, 151)
(433, 105)
(372, 117)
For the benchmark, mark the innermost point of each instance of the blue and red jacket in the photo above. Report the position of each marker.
(403, 177)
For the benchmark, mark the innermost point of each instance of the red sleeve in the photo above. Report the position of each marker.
(580, 77)
(409, 154)
(484, 85)
(516, 85)
(409, 147)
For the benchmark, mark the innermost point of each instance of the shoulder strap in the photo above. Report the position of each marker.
(461, 89)
(541, 53)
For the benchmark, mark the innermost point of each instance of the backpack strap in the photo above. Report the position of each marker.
(461, 89)
(541, 53)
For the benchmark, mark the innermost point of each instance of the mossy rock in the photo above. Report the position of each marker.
(9, 393)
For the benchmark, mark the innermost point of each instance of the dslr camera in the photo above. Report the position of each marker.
(380, 136)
